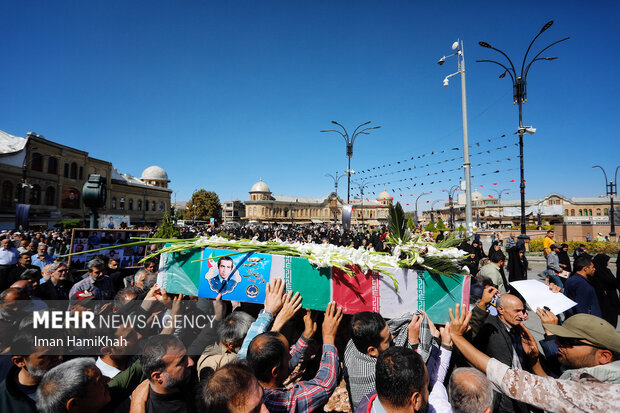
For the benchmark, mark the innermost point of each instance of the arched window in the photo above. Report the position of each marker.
(50, 196)
(590, 212)
(7, 194)
(162, 207)
(606, 211)
(566, 212)
(73, 171)
(35, 195)
(37, 162)
(146, 205)
(66, 171)
(572, 212)
(52, 165)
(81, 176)
(580, 213)
(121, 204)
(139, 205)
(154, 207)
(113, 204)
(131, 204)
(598, 212)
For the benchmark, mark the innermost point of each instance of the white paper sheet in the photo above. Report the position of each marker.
(538, 295)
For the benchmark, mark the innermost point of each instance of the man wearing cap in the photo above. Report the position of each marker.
(584, 389)
(553, 265)
(579, 289)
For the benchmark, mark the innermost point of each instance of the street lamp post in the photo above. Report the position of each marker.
(458, 46)
(499, 199)
(432, 206)
(451, 192)
(519, 87)
(415, 216)
(362, 185)
(336, 179)
(349, 146)
(612, 189)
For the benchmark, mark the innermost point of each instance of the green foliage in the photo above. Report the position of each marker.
(594, 247)
(397, 223)
(179, 213)
(440, 225)
(166, 228)
(460, 228)
(430, 227)
(203, 205)
(69, 223)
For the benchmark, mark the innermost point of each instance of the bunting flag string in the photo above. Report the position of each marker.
(459, 158)
(399, 190)
(431, 154)
(437, 173)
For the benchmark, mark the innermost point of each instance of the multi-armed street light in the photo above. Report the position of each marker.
(612, 189)
(336, 179)
(451, 192)
(433, 209)
(349, 142)
(458, 46)
(415, 215)
(519, 83)
(499, 200)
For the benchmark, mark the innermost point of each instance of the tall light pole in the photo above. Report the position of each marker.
(612, 189)
(362, 184)
(349, 145)
(336, 179)
(451, 192)
(458, 46)
(415, 215)
(519, 87)
(499, 199)
(432, 206)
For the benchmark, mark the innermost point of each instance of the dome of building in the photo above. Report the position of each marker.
(476, 195)
(260, 186)
(384, 196)
(154, 172)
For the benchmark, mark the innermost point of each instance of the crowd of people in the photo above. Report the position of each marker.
(282, 357)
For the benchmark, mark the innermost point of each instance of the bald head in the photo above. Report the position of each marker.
(470, 391)
(511, 310)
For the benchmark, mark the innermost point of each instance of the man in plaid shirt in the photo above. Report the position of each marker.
(269, 356)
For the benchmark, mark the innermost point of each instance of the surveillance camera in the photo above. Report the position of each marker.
(442, 61)
(446, 81)
(455, 45)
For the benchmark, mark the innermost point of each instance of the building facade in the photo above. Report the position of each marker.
(233, 211)
(49, 177)
(553, 209)
(265, 208)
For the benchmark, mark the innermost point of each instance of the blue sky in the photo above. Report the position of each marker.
(221, 94)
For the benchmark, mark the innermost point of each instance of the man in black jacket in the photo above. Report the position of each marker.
(500, 338)
(30, 363)
(57, 287)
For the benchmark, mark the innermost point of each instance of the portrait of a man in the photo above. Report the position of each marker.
(223, 278)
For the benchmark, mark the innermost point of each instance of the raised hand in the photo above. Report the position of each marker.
(487, 296)
(445, 334)
(546, 317)
(459, 321)
(291, 304)
(413, 330)
(309, 324)
(333, 317)
(274, 299)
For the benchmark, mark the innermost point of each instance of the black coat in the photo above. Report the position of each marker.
(606, 287)
(494, 340)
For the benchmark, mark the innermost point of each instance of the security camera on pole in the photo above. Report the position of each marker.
(458, 46)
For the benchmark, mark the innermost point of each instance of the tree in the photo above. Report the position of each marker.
(440, 225)
(166, 228)
(203, 205)
(430, 227)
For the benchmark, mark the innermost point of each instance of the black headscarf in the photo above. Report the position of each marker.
(564, 258)
(606, 288)
(517, 266)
